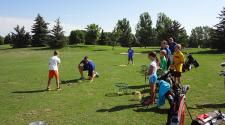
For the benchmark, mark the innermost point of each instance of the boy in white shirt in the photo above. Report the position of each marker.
(53, 70)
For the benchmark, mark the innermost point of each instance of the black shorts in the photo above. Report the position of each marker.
(90, 71)
(176, 74)
(85, 68)
(130, 58)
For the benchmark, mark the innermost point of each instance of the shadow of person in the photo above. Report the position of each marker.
(30, 91)
(138, 86)
(70, 81)
(153, 109)
(222, 105)
(119, 108)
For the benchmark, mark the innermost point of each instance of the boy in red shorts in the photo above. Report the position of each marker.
(53, 70)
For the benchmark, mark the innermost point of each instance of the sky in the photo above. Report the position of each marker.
(77, 14)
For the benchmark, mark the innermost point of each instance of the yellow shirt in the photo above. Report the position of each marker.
(178, 61)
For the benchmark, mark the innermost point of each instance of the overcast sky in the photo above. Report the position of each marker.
(77, 14)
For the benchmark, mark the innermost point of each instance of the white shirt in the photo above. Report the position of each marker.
(53, 63)
(153, 64)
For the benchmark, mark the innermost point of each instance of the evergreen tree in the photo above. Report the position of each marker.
(103, 39)
(21, 38)
(218, 35)
(40, 32)
(58, 40)
(144, 30)
(178, 33)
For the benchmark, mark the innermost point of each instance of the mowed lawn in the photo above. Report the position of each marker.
(24, 72)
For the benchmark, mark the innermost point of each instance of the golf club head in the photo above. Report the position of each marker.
(222, 64)
(185, 88)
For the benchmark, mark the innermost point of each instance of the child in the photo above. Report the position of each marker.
(130, 55)
(163, 62)
(165, 46)
(53, 70)
(169, 56)
(178, 61)
(152, 75)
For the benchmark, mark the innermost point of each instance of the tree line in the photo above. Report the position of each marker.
(145, 34)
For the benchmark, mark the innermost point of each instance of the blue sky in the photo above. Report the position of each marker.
(76, 14)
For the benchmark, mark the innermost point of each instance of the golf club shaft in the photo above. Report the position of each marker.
(188, 111)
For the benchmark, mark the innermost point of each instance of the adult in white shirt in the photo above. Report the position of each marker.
(53, 70)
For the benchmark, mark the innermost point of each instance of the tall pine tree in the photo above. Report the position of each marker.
(102, 39)
(40, 32)
(218, 35)
(58, 40)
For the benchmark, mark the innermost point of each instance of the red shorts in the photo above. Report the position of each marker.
(53, 73)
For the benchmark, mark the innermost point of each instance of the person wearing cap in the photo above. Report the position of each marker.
(87, 65)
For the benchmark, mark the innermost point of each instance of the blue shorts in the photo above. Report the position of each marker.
(153, 79)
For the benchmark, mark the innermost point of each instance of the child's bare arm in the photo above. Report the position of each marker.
(151, 70)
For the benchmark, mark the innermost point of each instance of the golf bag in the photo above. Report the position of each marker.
(176, 98)
(222, 73)
(189, 62)
(211, 118)
(223, 64)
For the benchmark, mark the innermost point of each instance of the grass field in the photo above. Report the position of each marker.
(23, 77)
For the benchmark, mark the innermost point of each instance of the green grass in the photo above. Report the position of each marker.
(23, 76)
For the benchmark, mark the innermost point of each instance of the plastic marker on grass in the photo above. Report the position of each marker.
(122, 65)
(38, 123)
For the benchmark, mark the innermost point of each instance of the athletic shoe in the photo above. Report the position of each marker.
(97, 75)
(82, 78)
(48, 89)
(59, 89)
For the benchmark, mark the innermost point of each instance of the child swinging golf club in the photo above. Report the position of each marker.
(53, 70)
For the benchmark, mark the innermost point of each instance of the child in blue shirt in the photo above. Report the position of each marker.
(130, 55)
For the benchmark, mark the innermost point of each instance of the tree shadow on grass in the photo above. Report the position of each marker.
(42, 48)
(216, 106)
(77, 46)
(145, 91)
(99, 50)
(138, 86)
(119, 108)
(30, 91)
(206, 52)
(147, 51)
(153, 109)
(73, 81)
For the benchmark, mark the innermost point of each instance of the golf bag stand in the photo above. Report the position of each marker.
(189, 62)
(222, 73)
